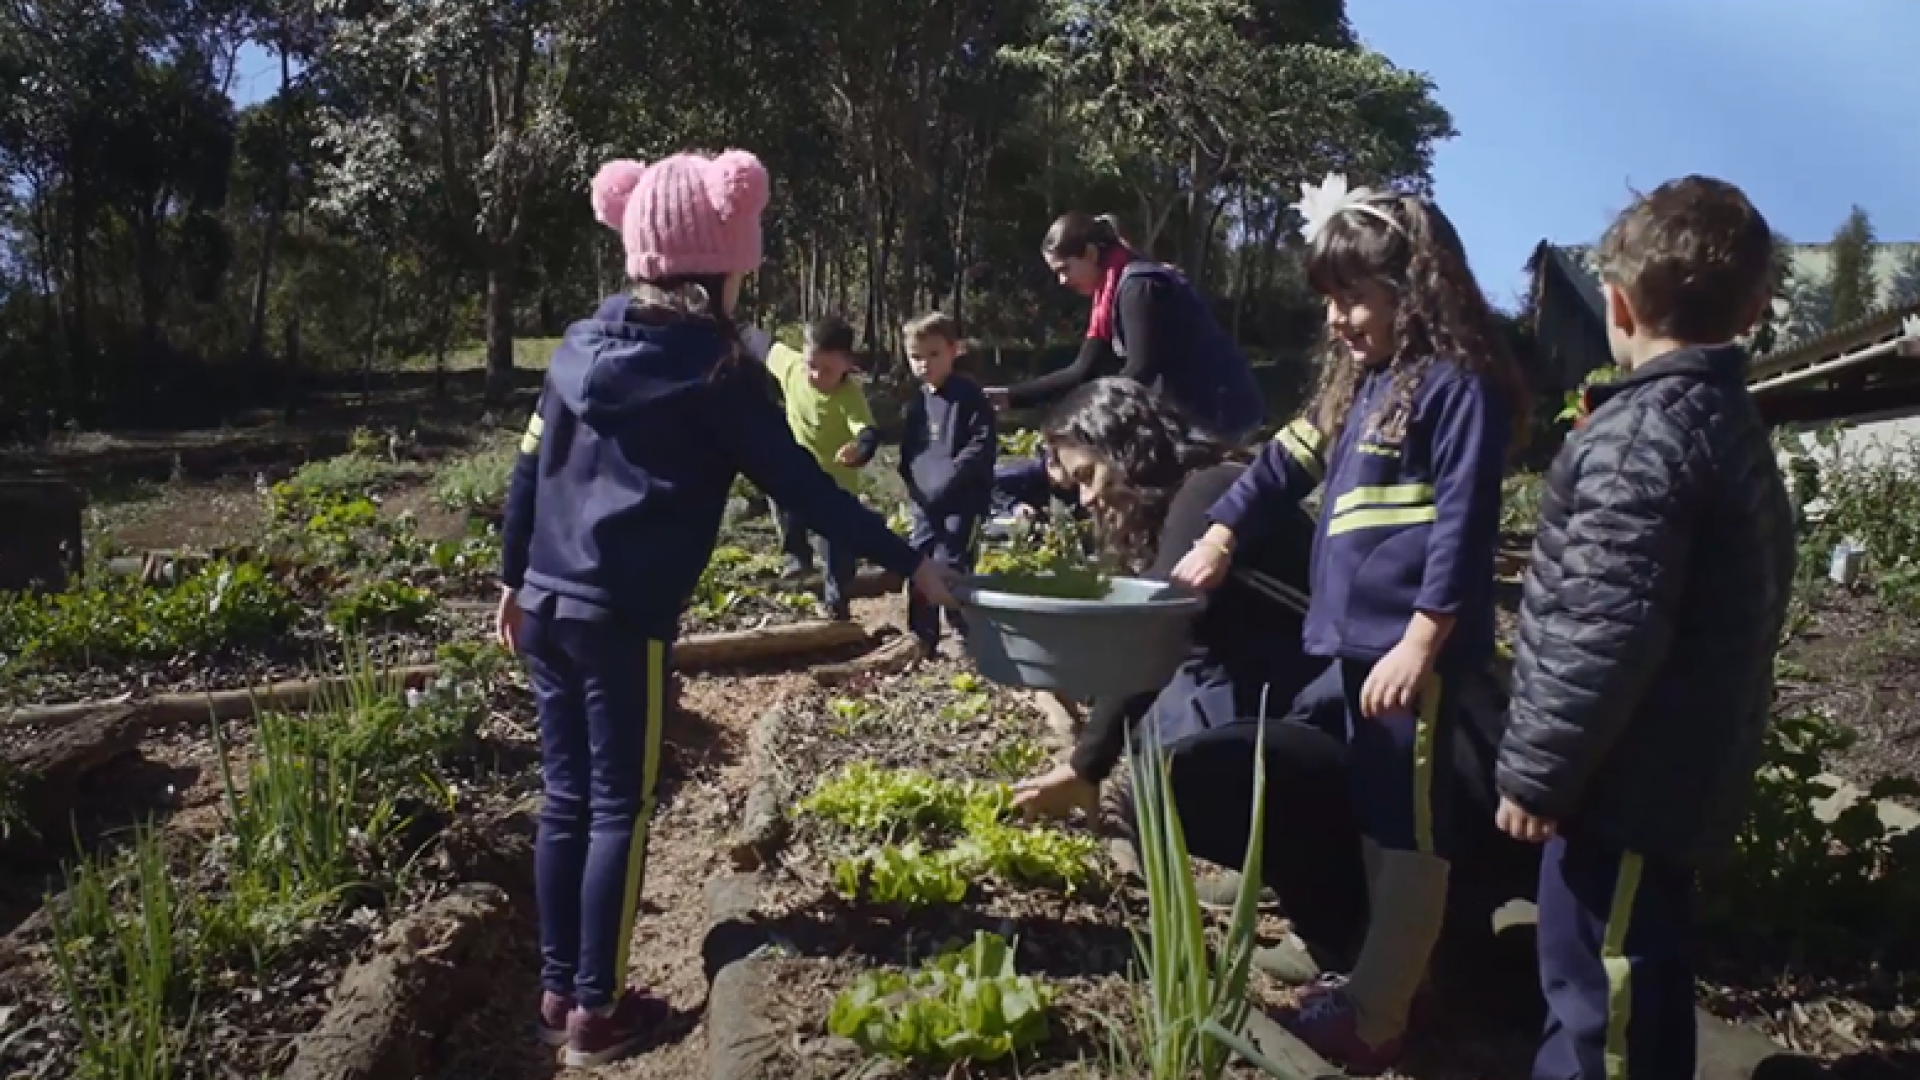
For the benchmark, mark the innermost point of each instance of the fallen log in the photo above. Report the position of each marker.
(705, 652)
(49, 765)
(763, 825)
(702, 652)
(893, 657)
(390, 1010)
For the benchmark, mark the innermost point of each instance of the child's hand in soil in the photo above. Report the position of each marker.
(506, 619)
(1056, 794)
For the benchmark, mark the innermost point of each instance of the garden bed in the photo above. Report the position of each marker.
(844, 903)
(266, 856)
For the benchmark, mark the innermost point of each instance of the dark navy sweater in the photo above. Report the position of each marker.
(947, 449)
(623, 476)
(1402, 528)
(1167, 338)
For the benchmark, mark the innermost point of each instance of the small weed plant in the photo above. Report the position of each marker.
(968, 1004)
(1022, 443)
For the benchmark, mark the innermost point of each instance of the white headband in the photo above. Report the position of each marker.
(1319, 205)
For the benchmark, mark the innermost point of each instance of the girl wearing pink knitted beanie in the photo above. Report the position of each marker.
(650, 409)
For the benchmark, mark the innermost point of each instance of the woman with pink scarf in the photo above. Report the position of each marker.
(1154, 322)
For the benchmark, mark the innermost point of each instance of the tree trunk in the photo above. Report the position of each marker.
(499, 328)
(276, 213)
(374, 326)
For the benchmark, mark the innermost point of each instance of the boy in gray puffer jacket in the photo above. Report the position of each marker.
(1652, 609)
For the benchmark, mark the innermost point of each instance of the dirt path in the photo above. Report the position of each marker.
(705, 779)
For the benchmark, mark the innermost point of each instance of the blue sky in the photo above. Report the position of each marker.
(1811, 107)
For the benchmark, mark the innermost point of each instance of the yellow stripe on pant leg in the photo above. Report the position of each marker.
(1424, 738)
(649, 776)
(1613, 949)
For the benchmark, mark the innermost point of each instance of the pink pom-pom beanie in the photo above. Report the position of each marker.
(686, 216)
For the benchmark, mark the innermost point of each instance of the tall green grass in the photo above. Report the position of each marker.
(117, 948)
(1190, 1016)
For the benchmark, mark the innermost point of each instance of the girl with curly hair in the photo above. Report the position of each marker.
(1407, 436)
(1147, 476)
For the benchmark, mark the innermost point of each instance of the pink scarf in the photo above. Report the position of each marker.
(1100, 326)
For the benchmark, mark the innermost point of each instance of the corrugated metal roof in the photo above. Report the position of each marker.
(1887, 319)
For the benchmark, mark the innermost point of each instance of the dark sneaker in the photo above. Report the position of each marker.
(551, 1027)
(595, 1040)
(1327, 1022)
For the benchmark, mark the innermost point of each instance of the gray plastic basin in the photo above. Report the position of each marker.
(1128, 642)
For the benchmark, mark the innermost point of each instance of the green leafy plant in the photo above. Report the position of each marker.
(1814, 886)
(1574, 405)
(108, 619)
(867, 800)
(969, 1004)
(870, 802)
(905, 874)
(477, 483)
(385, 604)
(1020, 443)
(346, 477)
(1047, 559)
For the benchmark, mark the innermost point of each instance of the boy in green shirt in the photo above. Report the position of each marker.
(829, 416)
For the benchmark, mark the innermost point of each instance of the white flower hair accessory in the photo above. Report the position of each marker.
(1320, 205)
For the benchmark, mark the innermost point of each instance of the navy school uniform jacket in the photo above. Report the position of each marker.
(622, 478)
(1402, 528)
(947, 450)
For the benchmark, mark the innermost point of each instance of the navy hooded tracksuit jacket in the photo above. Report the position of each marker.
(1403, 529)
(616, 500)
(636, 446)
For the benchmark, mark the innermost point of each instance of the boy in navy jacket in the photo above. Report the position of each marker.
(947, 452)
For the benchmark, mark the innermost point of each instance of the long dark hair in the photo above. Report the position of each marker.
(1150, 448)
(700, 299)
(1073, 233)
(1410, 247)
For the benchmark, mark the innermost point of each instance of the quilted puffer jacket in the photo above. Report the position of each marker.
(1652, 608)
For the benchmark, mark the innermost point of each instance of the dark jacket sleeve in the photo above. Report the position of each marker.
(1104, 737)
(972, 458)
(913, 442)
(1286, 470)
(1590, 642)
(1095, 358)
(1147, 327)
(516, 524)
(1470, 433)
(754, 432)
